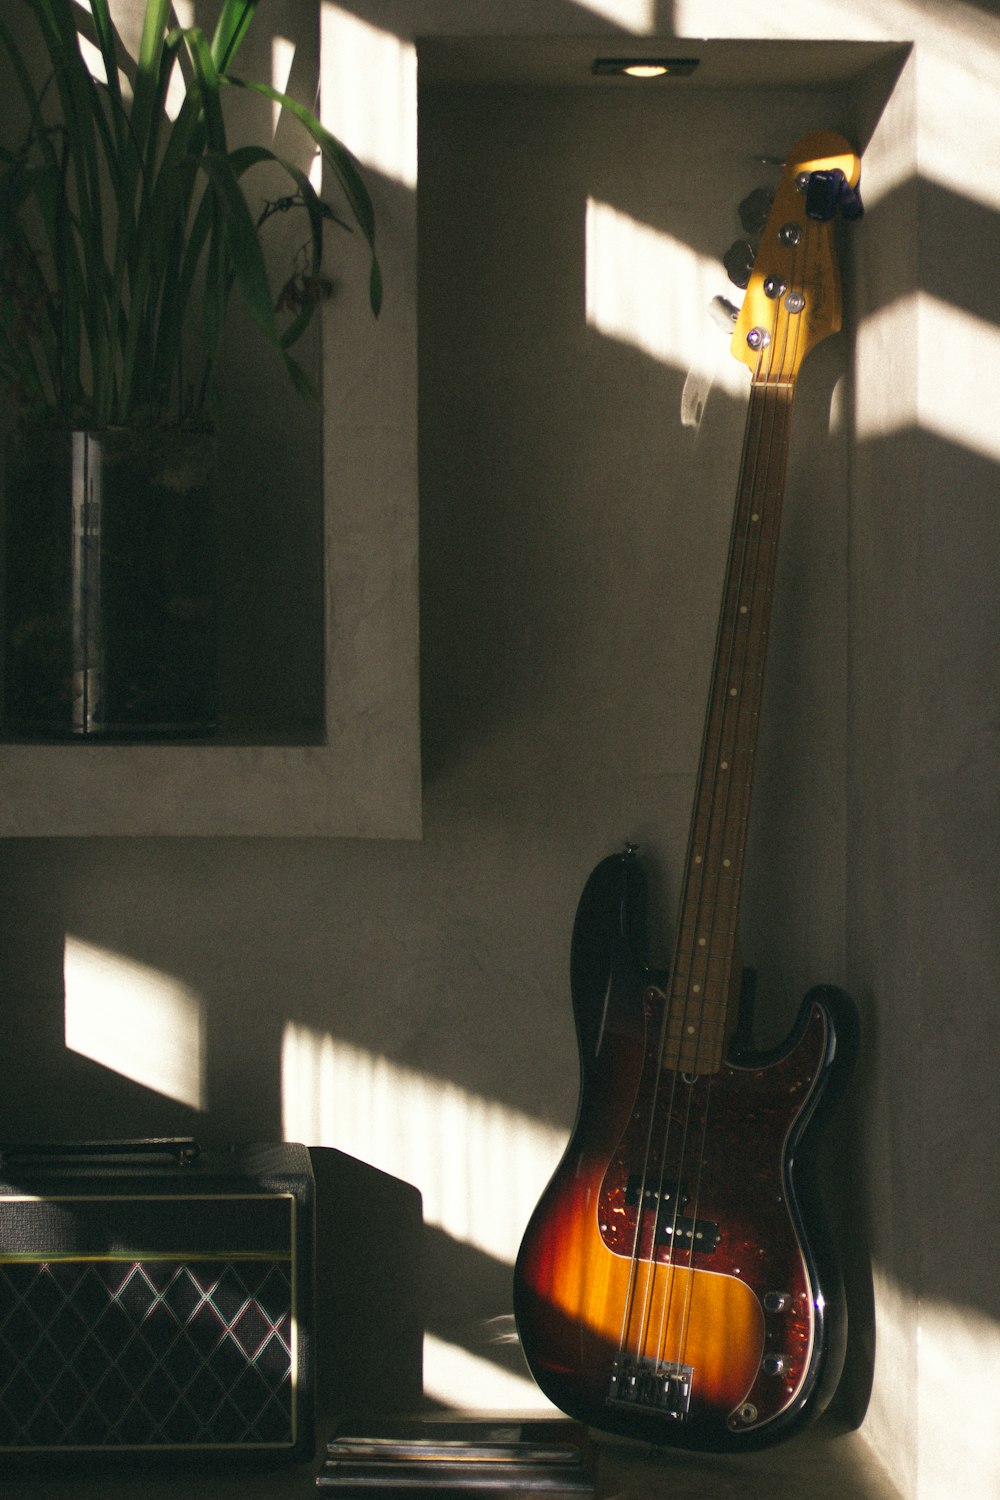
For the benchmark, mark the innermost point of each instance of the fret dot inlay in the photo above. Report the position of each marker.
(730, 742)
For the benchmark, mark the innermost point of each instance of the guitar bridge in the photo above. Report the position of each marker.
(658, 1385)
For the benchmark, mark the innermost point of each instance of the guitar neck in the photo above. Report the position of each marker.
(699, 1016)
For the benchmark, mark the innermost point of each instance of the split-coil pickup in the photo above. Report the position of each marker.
(666, 1194)
(672, 1228)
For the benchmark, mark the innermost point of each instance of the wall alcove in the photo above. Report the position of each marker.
(580, 429)
(572, 378)
(318, 712)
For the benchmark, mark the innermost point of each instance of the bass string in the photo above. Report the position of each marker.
(766, 543)
(636, 1258)
(753, 446)
(755, 537)
(741, 583)
(764, 492)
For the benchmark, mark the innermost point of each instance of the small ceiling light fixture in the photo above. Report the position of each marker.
(644, 67)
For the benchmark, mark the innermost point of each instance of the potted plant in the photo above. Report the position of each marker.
(125, 230)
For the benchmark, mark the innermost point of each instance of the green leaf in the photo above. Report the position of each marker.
(232, 27)
(345, 168)
(242, 242)
(207, 85)
(121, 230)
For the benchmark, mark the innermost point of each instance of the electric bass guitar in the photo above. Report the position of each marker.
(674, 1284)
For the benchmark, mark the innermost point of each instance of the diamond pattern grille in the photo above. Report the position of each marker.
(145, 1354)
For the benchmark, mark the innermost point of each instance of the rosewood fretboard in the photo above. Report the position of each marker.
(698, 1017)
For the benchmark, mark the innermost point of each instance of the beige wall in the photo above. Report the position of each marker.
(407, 1002)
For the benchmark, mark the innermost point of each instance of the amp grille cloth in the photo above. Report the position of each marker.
(145, 1354)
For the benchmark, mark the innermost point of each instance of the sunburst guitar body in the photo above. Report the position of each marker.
(675, 1283)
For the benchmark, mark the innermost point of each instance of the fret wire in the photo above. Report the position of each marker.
(714, 866)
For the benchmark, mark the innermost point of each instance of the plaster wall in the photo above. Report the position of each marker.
(424, 984)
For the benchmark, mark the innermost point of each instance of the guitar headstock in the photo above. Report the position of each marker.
(792, 300)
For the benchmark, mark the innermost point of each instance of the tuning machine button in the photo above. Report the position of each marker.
(829, 193)
(723, 313)
(738, 261)
(755, 210)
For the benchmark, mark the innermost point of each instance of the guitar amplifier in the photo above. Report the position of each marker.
(156, 1299)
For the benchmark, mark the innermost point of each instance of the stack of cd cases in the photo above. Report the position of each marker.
(423, 1458)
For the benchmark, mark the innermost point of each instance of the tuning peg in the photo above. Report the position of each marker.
(828, 193)
(755, 210)
(738, 261)
(723, 313)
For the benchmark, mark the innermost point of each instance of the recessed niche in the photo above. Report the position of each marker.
(574, 383)
(318, 715)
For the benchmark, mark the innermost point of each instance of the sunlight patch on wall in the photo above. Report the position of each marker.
(480, 1166)
(134, 1020)
(959, 375)
(832, 19)
(956, 360)
(958, 58)
(888, 1424)
(634, 15)
(957, 84)
(282, 57)
(651, 290)
(459, 1379)
(94, 59)
(886, 369)
(177, 87)
(959, 1356)
(945, 1358)
(369, 93)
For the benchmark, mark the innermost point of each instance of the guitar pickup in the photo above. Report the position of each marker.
(663, 1193)
(700, 1235)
